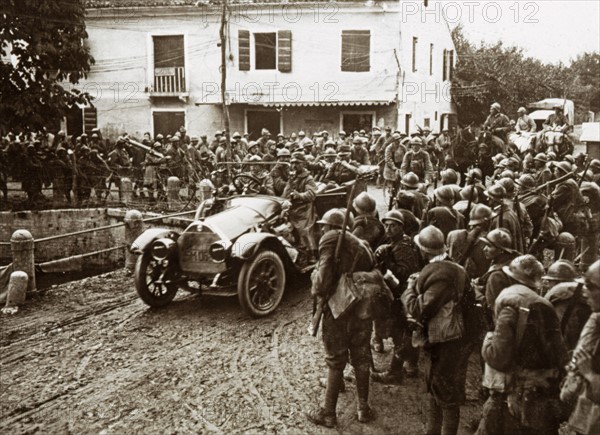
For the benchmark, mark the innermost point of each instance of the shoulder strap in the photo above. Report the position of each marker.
(570, 308)
(521, 325)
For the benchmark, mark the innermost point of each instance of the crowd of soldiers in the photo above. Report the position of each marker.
(465, 267)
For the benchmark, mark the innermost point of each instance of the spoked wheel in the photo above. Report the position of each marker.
(154, 281)
(261, 284)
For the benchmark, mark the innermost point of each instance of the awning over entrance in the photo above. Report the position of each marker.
(326, 103)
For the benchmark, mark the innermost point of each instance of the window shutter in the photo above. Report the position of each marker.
(90, 119)
(445, 66)
(356, 50)
(451, 65)
(284, 50)
(244, 50)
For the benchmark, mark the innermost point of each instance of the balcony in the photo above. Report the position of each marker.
(169, 82)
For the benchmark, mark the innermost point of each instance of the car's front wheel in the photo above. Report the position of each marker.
(154, 280)
(261, 284)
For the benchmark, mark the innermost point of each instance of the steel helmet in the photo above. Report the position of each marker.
(301, 133)
(396, 136)
(565, 239)
(499, 238)
(333, 217)
(561, 270)
(329, 152)
(507, 173)
(551, 155)
(564, 167)
(342, 133)
(469, 192)
(431, 241)
(541, 157)
(445, 194)
(504, 163)
(393, 215)
(525, 269)
(526, 182)
(521, 110)
(364, 203)
(592, 275)
(357, 140)
(496, 192)
(480, 214)
(475, 173)
(449, 176)
(283, 152)
(496, 106)
(595, 166)
(410, 180)
(416, 141)
(569, 158)
(508, 184)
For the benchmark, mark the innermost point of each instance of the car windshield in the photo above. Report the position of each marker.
(265, 206)
(234, 221)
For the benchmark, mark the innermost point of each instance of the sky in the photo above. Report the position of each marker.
(550, 30)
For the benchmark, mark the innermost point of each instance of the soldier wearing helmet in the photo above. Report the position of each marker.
(417, 160)
(568, 203)
(349, 335)
(281, 171)
(535, 203)
(527, 347)
(431, 299)
(265, 136)
(524, 123)
(504, 215)
(410, 183)
(497, 249)
(584, 364)
(464, 245)
(499, 125)
(399, 258)
(443, 215)
(301, 191)
(358, 151)
(152, 163)
(342, 170)
(393, 156)
(518, 207)
(566, 295)
(543, 173)
(366, 225)
(589, 242)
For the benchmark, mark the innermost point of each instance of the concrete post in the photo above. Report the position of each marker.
(173, 187)
(133, 228)
(22, 249)
(17, 289)
(125, 190)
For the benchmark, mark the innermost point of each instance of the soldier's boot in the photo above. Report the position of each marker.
(364, 412)
(451, 418)
(391, 376)
(325, 415)
(435, 418)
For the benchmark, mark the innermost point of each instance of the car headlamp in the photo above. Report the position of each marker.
(218, 251)
(162, 248)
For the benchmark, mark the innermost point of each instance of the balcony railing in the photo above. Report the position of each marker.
(169, 82)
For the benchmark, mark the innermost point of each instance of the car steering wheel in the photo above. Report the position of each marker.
(251, 183)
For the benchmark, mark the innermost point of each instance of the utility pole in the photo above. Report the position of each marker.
(223, 44)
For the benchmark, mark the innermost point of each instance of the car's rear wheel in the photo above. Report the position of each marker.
(261, 284)
(154, 280)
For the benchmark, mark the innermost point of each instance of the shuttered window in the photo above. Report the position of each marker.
(90, 119)
(271, 50)
(168, 51)
(415, 42)
(445, 66)
(356, 50)
(265, 46)
(284, 50)
(448, 70)
(244, 50)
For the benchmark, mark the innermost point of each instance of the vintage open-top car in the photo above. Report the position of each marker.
(240, 245)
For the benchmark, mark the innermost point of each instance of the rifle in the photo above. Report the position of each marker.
(587, 166)
(536, 241)
(469, 204)
(517, 208)
(319, 305)
(550, 183)
(393, 193)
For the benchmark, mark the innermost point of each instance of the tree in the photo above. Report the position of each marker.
(43, 55)
(587, 92)
(488, 73)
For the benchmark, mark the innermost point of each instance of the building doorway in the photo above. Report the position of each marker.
(256, 120)
(167, 122)
(357, 121)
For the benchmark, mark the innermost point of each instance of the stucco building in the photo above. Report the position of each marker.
(290, 66)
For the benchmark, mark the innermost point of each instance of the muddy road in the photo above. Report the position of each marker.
(90, 357)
